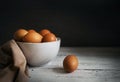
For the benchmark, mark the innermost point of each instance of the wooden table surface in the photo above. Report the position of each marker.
(96, 64)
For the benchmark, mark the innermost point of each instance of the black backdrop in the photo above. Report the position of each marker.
(77, 22)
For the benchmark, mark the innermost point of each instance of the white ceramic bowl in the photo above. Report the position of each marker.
(38, 54)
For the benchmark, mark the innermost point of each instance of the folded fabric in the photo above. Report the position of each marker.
(13, 67)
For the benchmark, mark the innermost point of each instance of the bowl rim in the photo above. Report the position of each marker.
(58, 40)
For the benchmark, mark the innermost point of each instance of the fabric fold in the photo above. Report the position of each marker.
(13, 65)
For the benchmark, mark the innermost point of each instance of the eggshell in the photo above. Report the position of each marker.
(49, 37)
(70, 63)
(32, 37)
(19, 34)
(44, 32)
(31, 30)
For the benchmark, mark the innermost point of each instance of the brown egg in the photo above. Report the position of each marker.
(49, 37)
(70, 63)
(19, 34)
(31, 30)
(44, 32)
(32, 37)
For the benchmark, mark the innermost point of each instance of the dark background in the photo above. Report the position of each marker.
(77, 22)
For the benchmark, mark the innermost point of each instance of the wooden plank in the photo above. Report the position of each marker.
(92, 68)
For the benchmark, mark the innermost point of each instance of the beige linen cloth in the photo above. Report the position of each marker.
(13, 66)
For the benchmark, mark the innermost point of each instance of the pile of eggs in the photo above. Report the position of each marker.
(33, 36)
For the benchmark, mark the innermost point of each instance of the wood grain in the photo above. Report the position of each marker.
(95, 65)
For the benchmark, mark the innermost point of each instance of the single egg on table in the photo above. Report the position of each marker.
(70, 63)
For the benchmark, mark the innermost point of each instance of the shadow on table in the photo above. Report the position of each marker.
(59, 70)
